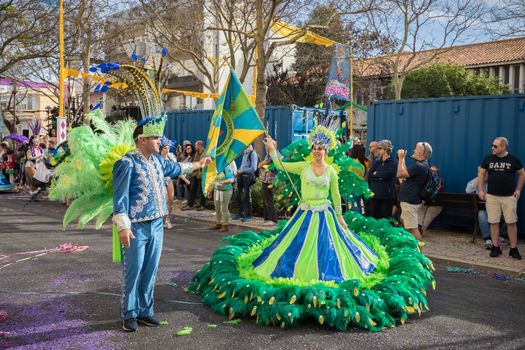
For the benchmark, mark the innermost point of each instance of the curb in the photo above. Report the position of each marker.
(440, 261)
(448, 261)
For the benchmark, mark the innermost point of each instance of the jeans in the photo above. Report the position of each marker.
(244, 194)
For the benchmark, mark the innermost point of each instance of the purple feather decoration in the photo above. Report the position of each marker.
(35, 125)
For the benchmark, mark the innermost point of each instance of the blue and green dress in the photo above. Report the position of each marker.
(313, 245)
(371, 275)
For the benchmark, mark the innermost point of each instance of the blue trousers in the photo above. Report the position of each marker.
(139, 268)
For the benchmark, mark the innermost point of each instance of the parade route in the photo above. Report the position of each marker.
(70, 300)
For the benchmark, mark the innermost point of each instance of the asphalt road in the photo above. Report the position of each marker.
(70, 300)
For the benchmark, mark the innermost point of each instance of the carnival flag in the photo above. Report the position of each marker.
(234, 125)
(338, 84)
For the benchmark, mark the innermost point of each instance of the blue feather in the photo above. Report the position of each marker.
(134, 57)
(164, 52)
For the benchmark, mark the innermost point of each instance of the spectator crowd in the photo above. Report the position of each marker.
(396, 185)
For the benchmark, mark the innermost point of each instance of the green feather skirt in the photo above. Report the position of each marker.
(396, 290)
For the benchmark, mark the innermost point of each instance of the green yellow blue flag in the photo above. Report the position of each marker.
(234, 125)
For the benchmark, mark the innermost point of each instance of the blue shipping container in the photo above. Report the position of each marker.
(194, 125)
(460, 130)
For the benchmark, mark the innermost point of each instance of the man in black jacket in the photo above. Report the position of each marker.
(382, 179)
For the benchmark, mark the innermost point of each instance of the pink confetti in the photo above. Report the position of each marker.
(4, 335)
(70, 248)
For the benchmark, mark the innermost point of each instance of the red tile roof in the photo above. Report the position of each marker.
(471, 55)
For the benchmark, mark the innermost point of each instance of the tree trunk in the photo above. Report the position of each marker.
(398, 85)
(86, 58)
(260, 66)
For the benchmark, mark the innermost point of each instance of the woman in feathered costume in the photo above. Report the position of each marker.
(338, 270)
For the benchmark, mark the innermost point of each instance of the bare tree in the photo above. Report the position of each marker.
(90, 21)
(27, 28)
(418, 25)
(508, 18)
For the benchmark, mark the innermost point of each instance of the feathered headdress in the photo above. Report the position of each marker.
(324, 134)
(145, 91)
(35, 125)
(152, 127)
(165, 142)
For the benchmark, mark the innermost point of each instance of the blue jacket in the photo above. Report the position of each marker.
(382, 178)
(139, 193)
(249, 166)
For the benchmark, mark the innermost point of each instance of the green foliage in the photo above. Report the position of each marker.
(448, 79)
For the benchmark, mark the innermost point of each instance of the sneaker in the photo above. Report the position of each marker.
(488, 244)
(130, 325)
(224, 228)
(246, 218)
(169, 225)
(187, 207)
(514, 253)
(238, 217)
(216, 227)
(503, 240)
(148, 321)
(495, 251)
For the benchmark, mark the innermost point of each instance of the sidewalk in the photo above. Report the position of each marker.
(444, 248)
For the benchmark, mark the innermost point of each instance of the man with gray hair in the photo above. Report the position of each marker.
(413, 180)
(502, 193)
(382, 180)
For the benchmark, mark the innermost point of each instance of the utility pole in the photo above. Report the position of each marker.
(13, 93)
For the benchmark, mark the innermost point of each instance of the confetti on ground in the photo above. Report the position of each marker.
(63, 248)
(236, 321)
(173, 284)
(212, 325)
(164, 323)
(70, 248)
(455, 269)
(184, 331)
(500, 276)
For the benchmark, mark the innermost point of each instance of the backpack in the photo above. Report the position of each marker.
(257, 170)
(430, 188)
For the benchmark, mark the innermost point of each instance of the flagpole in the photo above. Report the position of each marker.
(284, 169)
(255, 76)
(351, 127)
(61, 48)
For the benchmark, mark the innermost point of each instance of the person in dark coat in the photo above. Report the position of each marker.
(382, 179)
